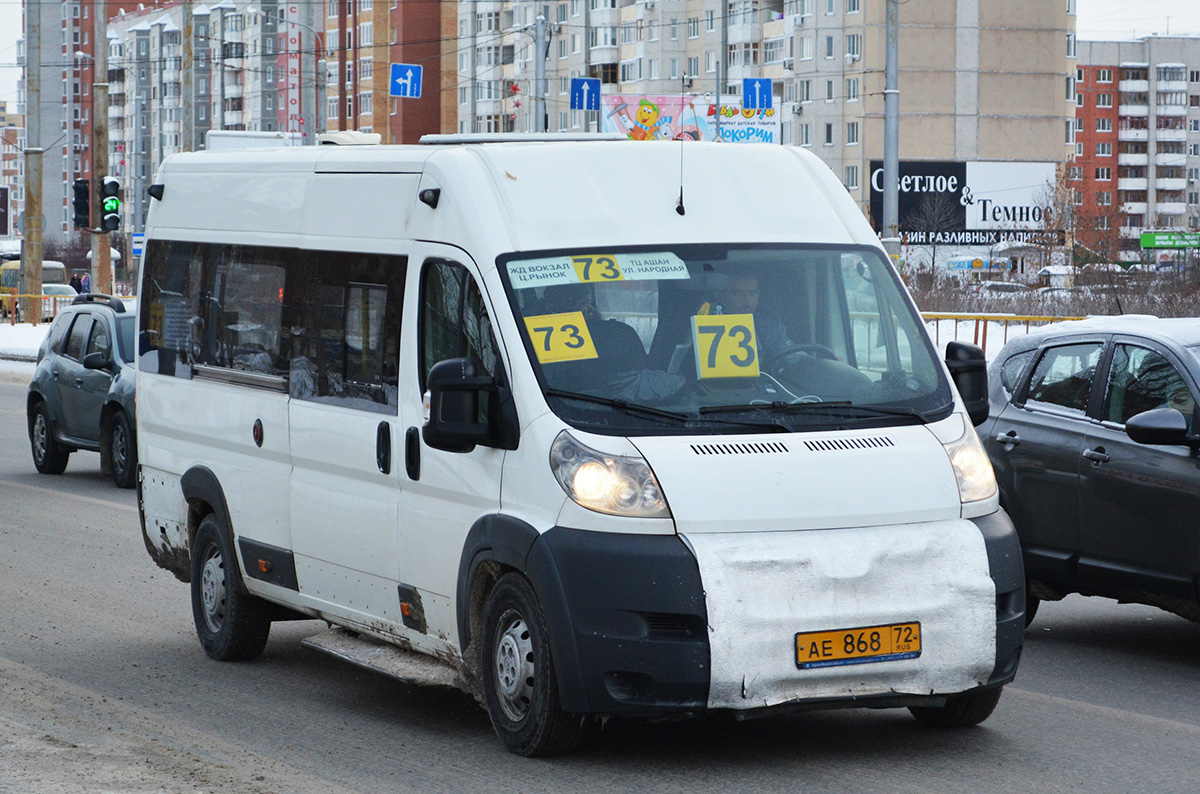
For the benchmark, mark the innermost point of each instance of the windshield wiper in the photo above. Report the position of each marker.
(650, 411)
(840, 407)
(620, 405)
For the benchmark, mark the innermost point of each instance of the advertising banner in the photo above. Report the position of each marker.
(969, 203)
(666, 118)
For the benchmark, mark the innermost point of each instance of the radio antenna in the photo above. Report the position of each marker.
(679, 207)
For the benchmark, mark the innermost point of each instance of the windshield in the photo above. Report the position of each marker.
(714, 337)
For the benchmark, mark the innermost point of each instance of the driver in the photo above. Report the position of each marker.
(1180, 399)
(740, 296)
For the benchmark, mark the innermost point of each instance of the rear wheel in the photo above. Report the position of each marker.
(518, 674)
(122, 451)
(232, 624)
(49, 457)
(960, 711)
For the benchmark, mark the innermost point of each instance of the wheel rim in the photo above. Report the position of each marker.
(39, 436)
(515, 670)
(212, 589)
(120, 450)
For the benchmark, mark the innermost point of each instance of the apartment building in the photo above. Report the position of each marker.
(1137, 157)
(363, 39)
(12, 168)
(978, 81)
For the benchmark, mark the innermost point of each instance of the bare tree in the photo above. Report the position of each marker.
(934, 214)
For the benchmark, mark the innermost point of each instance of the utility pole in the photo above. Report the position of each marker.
(539, 74)
(189, 119)
(891, 135)
(722, 75)
(31, 258)
(102, 277)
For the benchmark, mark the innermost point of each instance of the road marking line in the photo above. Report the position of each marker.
(1107, 711)
(54, 492)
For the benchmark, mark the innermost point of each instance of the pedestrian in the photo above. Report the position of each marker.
(87, 282)
(76, 283)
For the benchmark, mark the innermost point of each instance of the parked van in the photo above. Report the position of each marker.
(587, 428)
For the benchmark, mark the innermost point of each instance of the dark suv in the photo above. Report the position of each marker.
(1093, 436)
(81, 396)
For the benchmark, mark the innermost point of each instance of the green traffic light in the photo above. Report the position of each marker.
(112, 204)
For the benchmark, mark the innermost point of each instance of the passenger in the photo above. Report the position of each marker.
(619, 349)
(1180, 399)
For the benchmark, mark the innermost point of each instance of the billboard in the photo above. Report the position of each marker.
(949, 202)
(665, 118)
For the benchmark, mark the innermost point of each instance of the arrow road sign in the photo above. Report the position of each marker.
(756, 93)
(585, 93)
(406, 81)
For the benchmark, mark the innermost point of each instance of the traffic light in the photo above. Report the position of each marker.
(82, 203)
(110, 204)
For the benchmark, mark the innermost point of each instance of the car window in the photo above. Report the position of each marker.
(1063, 376)
(1010, 370)
(98, 339)
(454, 320)
(78, 335)
(1142, 380)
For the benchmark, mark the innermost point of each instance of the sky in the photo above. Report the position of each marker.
(1096, 19)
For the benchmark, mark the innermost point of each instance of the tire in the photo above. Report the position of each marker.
(232, 625)
(1031, 607)
(122, 451)
(49, 457)
(960, 711)
(519, 684)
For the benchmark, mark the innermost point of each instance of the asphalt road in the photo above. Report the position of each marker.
(104, 688)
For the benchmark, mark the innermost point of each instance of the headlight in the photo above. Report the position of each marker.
(972, 469)
(613, 484)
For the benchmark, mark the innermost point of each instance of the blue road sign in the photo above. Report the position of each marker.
(406, 81)
(139, 243)
(585, 93)
(756, 93)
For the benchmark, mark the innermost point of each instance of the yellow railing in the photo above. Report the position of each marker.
(14, 304)
(977, 324)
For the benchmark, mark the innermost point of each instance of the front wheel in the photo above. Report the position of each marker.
(960, 711)
(518, 674)
(122, 451)
(232, 624)
(49, 457)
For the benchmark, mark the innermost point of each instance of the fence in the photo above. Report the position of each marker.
(15, 306)
(976, 326)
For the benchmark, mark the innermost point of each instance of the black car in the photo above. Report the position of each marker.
(81, 395)
(1092, 433)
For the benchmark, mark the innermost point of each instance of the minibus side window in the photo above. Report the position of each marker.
(242, 306)
(168, 304)
(454, 321)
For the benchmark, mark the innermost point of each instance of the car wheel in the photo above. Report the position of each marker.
(1031, 607)
(960, 711)
(49, 457)
(122, 451)
(518, 674)
(232, 624)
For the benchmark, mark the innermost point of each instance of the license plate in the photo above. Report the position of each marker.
(887, 643)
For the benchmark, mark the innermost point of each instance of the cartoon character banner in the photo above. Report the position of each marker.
(665, 118)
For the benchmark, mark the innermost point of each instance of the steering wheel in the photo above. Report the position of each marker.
(780, 358)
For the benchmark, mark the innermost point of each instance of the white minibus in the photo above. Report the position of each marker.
(585, 427)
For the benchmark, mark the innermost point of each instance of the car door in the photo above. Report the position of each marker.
(343, 419)
(67, 374)
(93, 384)
(1035, 446)
(1140, 502)
(445, 493)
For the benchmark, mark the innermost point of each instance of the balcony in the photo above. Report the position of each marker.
(1171, 85)
(1131, 231)
(1133, 135)
(1172, 110)
(1134, 208)
(233, 117)
(1133, 159)
(1170, 184)
(1132, 183)
(1134, 85)
(1171, 208)
(1171, 135)
(1176, 158)
(1140, 111)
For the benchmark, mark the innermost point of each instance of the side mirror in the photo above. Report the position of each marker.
(968, 370)
(96, 361)
(1158, 426)
(454, 394)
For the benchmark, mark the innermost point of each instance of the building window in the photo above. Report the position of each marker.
(710, 21)
(1074, 172)
(1104, 198)
(805, 135)
(804, 91)
(852, 89)
(829, 46)
(851, 180)
(854, 45)
(829, 134)
(852, 133)
(806, 48)
(1103, 174)
(1104, 150)
(693, 27)
(851, 6)
(1079, 100)
(1070, 45)
(1104, 100)
(1104, 75)
(1104, 125)
(1071, 89)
